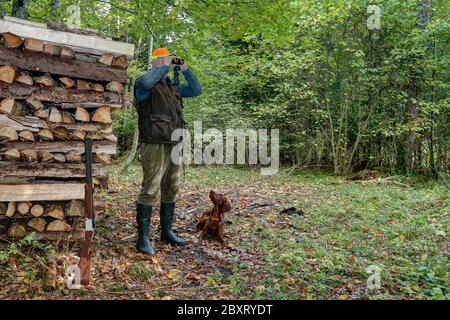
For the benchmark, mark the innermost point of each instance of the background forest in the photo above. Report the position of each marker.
(344, 97)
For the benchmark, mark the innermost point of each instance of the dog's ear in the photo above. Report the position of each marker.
(226, 205)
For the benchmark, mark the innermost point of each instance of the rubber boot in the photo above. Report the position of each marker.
(166, 217)
(143, 218)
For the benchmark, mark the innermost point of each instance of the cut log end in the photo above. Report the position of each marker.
(37, 224)
(102, 115)
(103, 158)
(26, 136)
(56, 211)
(37, 210)
(8, 134)
(16, 231)
(58, 225)
(12, 41)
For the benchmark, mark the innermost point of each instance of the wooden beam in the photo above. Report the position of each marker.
(57, 95)
(79, 42)
(34, 124)
(55, 65)
(88, 105)
(102, 146)
(42, 192)
(56, 170)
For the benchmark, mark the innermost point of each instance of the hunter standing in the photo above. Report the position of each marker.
(160, 111)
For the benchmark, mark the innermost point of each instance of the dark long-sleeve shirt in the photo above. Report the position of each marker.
(146, 82)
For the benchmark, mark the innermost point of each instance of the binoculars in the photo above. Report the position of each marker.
(177, 60)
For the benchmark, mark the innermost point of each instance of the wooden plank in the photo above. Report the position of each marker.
(42, 192)
(102, 146)
(57, 170)
(81, 43)
(36, 61)
(34, 124)
(57, 95)
(87, 105)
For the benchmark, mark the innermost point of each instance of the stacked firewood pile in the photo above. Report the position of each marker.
(53, 96)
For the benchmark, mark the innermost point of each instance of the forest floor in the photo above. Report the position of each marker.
(323, 251)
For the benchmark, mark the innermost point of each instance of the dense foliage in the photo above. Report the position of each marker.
(342, 95)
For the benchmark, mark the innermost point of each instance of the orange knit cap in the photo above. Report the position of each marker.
(159, 53)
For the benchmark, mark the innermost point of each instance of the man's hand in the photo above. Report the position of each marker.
(184, 67)
(162, 60)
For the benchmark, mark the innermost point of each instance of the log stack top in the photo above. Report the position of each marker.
(86, 43)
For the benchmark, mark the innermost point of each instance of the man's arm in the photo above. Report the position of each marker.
(192, 88)
(148, 81)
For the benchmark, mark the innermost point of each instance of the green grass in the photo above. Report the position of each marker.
(346, 227)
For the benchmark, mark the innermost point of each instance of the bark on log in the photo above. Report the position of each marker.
(28, 155)
(37, 224)
(16, 231)
(41, 170)
(63, 67)
(82, 115)
(45, 135)
(25, 79)
(37, 210)
(57, 95)
(11, 41)
(88, 105)
(104, 146)
(3, 208)
(26, 136)
(12, 155)
(7, 73)
(9, 106)
(8, 134)
(102, 115)
(33, 45)
(34, 124)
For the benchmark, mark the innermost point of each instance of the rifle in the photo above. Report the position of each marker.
(85, 252)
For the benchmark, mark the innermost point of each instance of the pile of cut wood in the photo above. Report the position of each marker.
(57, 87)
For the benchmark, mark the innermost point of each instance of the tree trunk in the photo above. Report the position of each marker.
(20, 9)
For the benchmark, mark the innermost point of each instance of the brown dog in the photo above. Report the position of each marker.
(212, 221)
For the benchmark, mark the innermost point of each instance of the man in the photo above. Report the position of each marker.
(159, 107)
